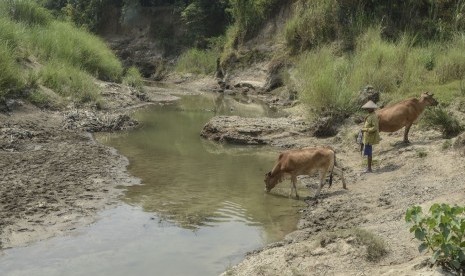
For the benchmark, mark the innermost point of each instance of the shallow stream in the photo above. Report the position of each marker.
(200, 207)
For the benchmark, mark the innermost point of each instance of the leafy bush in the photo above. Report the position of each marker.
(442, 232)
(445, 121)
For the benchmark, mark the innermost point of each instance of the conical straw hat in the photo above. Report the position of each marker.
(370, 105)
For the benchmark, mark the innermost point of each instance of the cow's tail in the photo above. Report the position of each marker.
(332, 169)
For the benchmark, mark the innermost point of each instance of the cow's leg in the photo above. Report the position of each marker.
(339, 172)
(407, 129)
(293, 186)
(322, 182)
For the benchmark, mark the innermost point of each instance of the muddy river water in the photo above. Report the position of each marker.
(199, 209)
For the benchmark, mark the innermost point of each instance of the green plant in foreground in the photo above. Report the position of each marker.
(441, 232)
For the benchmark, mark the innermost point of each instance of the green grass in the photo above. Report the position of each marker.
(314, 24)
(446, 122)
(37, 50)
(69, 81)
(197, 61)
(451, 61)
(75, 46)
(322, 78)
(10, 75)
(328, 79)
(25, 11)
(133, 78)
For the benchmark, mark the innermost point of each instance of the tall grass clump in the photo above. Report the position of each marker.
(133, 78)
(10, 73)
(322, 78)
(77, 47)
(69, 81)
(248, 16)
(12, 33)
(313, 24)
(395, 68)
(197, 61)
(440, 118)
(329, 79)
(380, 63)
(26, 11)
(451, 60)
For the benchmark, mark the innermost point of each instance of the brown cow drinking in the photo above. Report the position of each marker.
(304, 162)
(403, 114)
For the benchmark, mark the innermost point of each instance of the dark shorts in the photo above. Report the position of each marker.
(368, 150)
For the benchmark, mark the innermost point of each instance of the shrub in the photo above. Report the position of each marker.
(445, 121)
(442, 232)
(133, 78)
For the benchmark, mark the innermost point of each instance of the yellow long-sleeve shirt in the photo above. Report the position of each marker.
(371, 130)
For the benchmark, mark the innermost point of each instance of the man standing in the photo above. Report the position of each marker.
(370, 133)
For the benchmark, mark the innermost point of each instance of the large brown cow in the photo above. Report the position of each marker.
(404, 114)
(304, 162)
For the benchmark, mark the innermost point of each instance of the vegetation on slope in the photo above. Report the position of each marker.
(38, 50)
